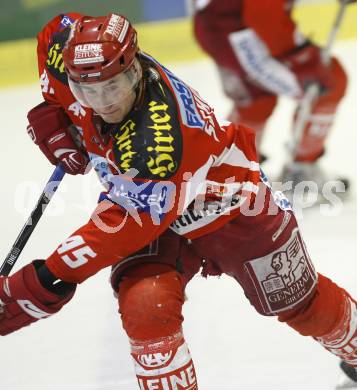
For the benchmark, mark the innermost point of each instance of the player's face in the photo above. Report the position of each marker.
(116, 112)
(112, 99)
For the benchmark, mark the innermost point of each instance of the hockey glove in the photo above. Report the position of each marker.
(49, 129)
(24, 300)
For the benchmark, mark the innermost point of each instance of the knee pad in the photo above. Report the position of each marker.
(150, 301)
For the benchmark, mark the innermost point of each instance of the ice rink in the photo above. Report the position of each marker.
(84, 346)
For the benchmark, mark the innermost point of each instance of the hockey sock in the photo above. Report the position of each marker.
(164, 364)
(342, 340)
(331, 318)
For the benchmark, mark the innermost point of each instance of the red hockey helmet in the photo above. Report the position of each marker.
(103, 71)
(98, 48)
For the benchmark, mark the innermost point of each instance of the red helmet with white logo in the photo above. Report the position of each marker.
(101, 64)
(99, 48)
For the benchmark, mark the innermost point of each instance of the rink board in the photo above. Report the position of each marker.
(172, 41)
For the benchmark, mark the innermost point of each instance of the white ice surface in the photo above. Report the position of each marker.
(84, 346)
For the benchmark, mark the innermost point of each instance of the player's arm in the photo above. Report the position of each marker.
(34, 292)
(50, 126)
(131, 215)
(138, 208)
(128, 218)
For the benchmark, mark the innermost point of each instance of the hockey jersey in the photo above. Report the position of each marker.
(168, 164)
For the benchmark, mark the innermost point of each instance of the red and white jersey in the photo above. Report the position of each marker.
(169, 163)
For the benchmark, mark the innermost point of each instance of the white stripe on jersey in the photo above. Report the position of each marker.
(235, 157)
(196, 183)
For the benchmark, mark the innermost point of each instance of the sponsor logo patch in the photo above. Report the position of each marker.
(279, 198)
(155, 360)
(66, 21)
(207, 114)
(88, 53)
(32, 310)
(184, 378)
(285, 277)
(137, 196)
(54, 62)
(190, 115)
(117, 27)
(196, 217)
(55, 59)
(114, 26)
(124, 145)
(161, 153)
(151, 144)
(195, 112)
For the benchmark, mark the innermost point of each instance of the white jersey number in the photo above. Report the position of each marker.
(76, 257)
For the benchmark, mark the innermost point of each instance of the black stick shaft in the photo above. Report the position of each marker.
(32, 221)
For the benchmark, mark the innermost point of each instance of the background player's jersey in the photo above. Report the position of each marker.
(168, 162)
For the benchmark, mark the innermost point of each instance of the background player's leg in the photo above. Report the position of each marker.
(252, 106)
(319, 123)
(255, 114)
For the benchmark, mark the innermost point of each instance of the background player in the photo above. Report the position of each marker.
(168, 211)
(260, 54)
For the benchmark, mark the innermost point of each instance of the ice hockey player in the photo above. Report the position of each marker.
(260, 54)
(183, 191)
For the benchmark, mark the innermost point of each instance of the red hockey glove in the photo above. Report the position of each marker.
(306, 63)
(48, 128)
(24, 300)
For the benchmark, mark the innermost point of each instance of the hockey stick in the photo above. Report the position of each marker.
(32, 221)
(313, 90)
